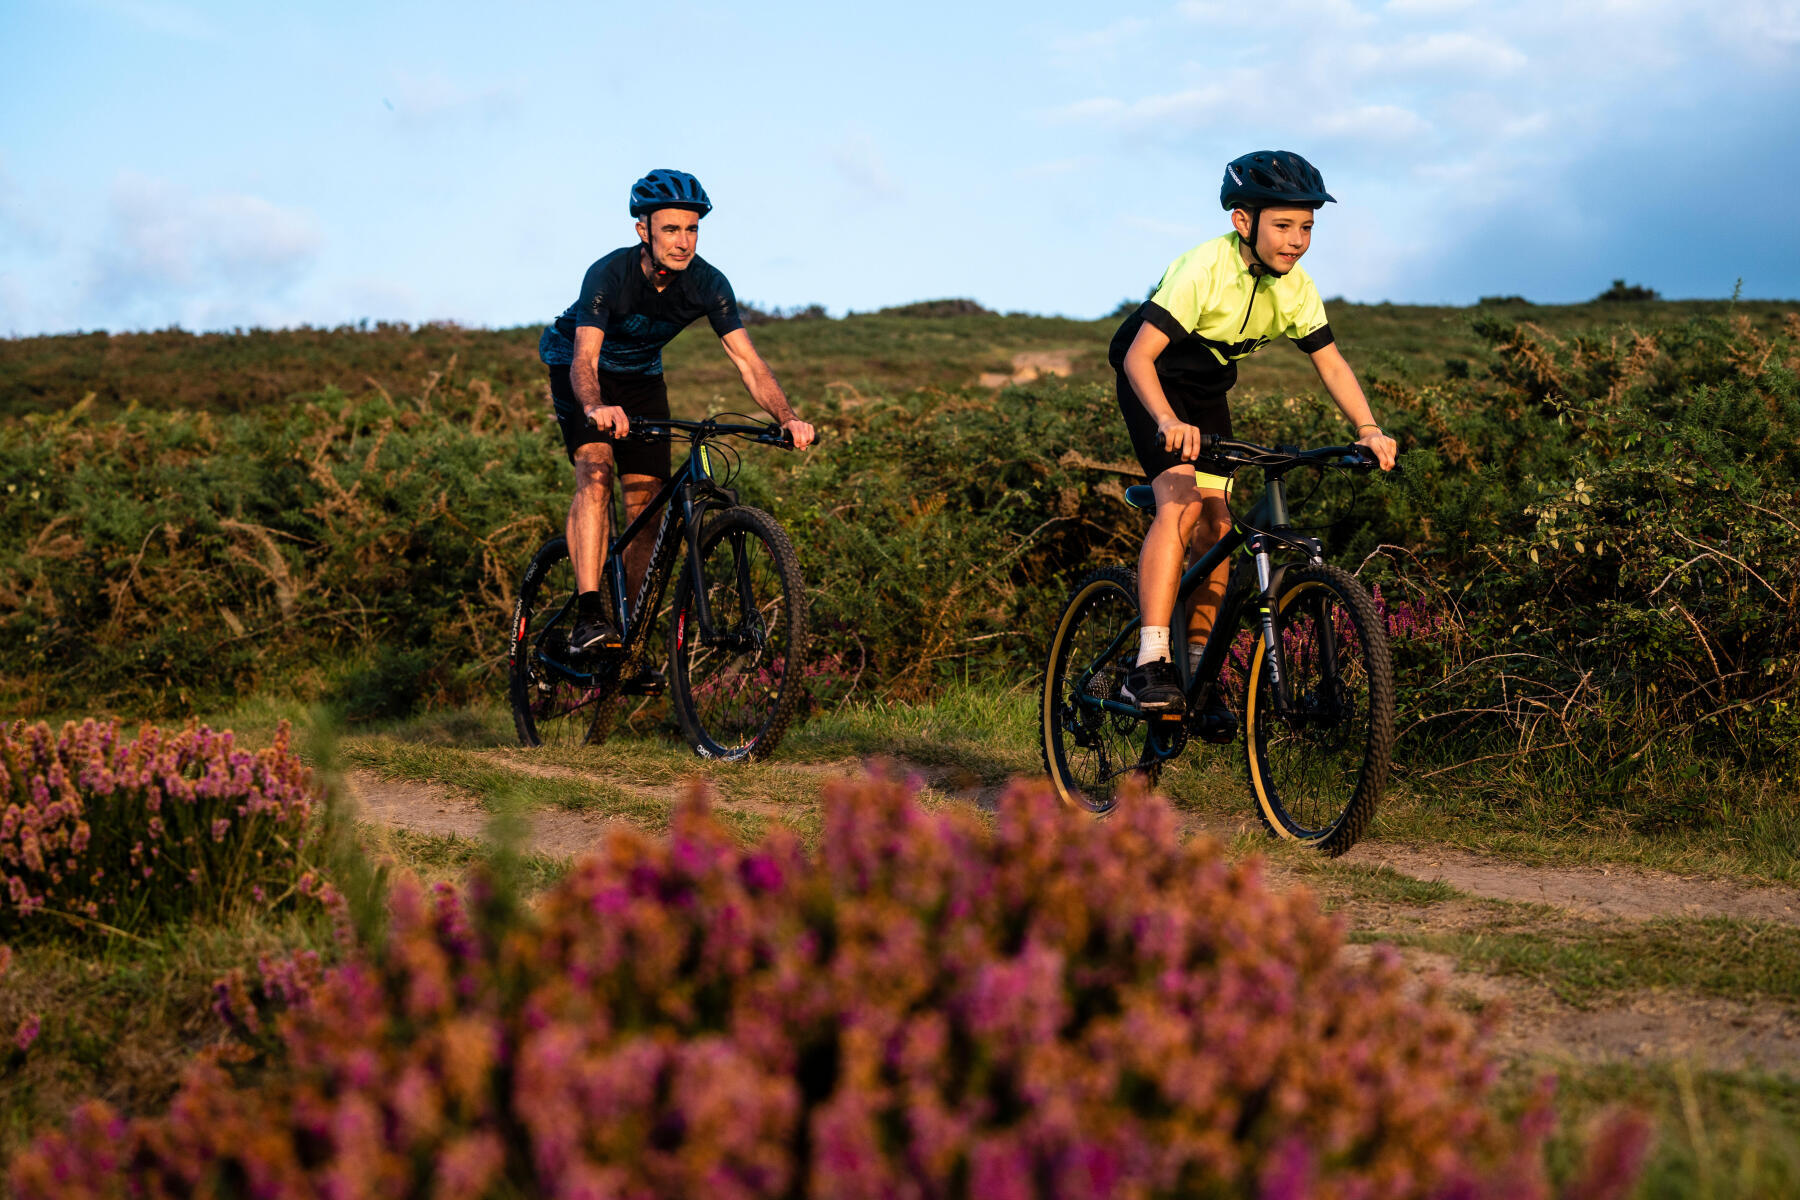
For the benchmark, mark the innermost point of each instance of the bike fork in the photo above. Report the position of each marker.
(1266, 600)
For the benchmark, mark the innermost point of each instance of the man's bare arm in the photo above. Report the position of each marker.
(584, 378)
(760, 382)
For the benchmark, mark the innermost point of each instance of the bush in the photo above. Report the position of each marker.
(936, 308)
(135, 833)
(1629, 292)
(926, 1008)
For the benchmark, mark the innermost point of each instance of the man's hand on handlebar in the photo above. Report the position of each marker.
(610, 420)
(798, 432)
(1383, 447)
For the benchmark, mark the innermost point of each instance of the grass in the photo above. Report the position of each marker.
(1584, 962)
(1723, 1135)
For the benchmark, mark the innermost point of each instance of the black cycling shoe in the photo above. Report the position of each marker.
(647, 682)
(1153, 688)
(1216, 723)
(593, 634)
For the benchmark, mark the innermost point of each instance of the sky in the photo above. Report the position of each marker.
(221, 165)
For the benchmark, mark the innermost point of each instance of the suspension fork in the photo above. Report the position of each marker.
(1268, 583)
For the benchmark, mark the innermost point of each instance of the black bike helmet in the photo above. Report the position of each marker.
(1272, 178)
(663, 188)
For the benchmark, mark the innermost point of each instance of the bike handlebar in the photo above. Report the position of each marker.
(1354, 457)
(651, 429)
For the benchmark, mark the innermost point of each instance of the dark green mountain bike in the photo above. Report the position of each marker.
(736, 631)
(1298, 652)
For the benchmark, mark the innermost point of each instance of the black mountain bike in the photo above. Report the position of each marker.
(737, 628)
(1298, 652)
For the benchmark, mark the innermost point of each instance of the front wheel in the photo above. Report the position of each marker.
(735, 690)
(1089, 748)
(1319, 742)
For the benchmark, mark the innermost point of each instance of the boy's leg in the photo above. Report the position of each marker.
(1213, 523)
(1152, 684)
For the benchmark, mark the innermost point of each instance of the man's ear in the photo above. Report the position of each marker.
(643, 231)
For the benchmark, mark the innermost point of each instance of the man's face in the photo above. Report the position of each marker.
(1282, 236)
(671, 234)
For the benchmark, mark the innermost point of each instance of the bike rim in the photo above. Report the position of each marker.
(557, 709)
(1307, 765)
(734, 686)
(1093, 751)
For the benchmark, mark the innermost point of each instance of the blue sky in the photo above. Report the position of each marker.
(216, 165)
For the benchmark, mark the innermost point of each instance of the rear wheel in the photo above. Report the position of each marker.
(735, 692)
(1319, 761)
(1090, 750)
(557, 699)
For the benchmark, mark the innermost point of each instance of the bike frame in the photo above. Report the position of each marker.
(682, 503)
(1268, 531)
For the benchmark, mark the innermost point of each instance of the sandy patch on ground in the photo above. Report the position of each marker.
(1029, 365)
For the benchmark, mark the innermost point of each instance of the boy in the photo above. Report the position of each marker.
(1176, 359)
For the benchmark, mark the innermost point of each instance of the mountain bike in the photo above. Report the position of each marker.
(1298, 652)
(737, 627)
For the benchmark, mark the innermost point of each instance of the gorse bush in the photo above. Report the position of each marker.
(925, 1008)
(164, 559)
(125, 834)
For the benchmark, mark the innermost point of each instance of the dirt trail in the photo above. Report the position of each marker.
(1710, 1032)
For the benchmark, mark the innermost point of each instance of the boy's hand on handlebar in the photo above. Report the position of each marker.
(1180, 438)
(1383, 447)
(610, 420)
(799, 432)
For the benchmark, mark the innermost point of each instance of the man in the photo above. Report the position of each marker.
(1176, 359)
(605, 359)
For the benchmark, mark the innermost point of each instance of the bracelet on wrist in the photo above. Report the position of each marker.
(1371, 425)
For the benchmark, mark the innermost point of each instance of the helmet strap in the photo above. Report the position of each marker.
(1257, 266)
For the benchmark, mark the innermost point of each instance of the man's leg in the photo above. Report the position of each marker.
(639, 491)
(589, 527)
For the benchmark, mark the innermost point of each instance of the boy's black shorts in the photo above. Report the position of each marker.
(1207, 413)
(641, 396)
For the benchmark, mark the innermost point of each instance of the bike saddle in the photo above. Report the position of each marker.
(1141, 495)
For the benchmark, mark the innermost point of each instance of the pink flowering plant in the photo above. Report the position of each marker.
(109, 832)
(925, 1007)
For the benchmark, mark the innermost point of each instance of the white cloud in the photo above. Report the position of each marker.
(859, 163)
(1372, 123)
(436, 99)
(160, 16)
(1274, 14)
(167, 254)
(1455, 53)
(1102, 43)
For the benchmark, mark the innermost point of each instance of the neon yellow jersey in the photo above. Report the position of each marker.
(1214, 312)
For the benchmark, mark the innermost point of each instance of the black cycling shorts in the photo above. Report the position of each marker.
(1208, 414)
(641, 396)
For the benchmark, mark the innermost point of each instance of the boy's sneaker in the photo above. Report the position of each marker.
(1152, 687)
(593, 634)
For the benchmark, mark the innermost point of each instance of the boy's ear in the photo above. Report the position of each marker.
(1240, 221)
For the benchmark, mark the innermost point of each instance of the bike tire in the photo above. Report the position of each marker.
(549, 708)
(1087, 754)
(735, 699)
(1317, 771)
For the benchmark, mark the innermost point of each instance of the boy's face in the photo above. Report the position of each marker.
(671, 234)
(1282, 235)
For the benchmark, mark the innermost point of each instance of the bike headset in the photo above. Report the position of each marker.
(667, 188)
(1270, 179)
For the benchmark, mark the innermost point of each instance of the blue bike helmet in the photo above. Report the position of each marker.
(664, 188)
(1272, 178)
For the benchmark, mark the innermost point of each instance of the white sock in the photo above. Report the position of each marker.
(1195, 650)
(1153, 644)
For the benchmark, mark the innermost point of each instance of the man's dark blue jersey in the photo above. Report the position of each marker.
(637, 319)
